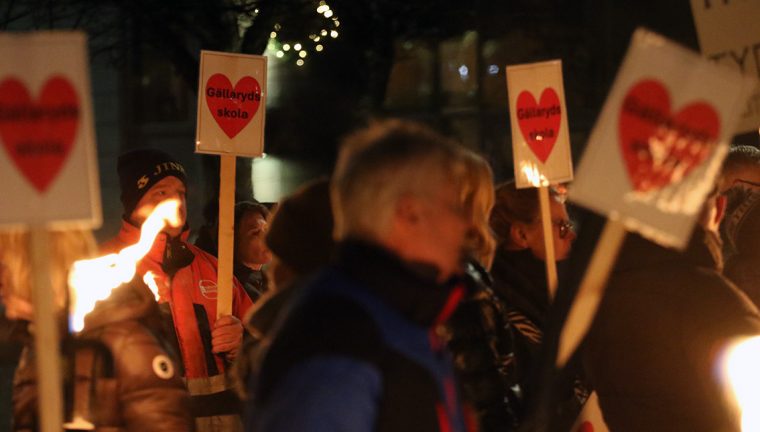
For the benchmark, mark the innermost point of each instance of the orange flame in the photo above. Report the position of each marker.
(744, 380)
(533, 174)
(150, 281)
(93, 280)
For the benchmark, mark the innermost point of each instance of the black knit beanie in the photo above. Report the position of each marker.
(139, 170)
(300, 232)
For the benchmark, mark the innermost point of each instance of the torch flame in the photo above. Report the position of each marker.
(150, 281)
(93, 280)
(741, 365)
(533, 174)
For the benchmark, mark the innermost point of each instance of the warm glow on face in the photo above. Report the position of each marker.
(741, 367)
(533, 175)
(93, 280)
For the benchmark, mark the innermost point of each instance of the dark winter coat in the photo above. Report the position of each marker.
(144, 390)
(254, 282)
(520, 287)
(653, 348)
(360, 351)
(481, 342)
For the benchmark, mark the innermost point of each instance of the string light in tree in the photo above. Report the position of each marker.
(300, 50)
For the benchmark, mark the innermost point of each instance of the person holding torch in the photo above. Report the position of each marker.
(186, 280)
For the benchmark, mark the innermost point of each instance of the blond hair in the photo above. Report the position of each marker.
(380, 164)
(65, 247)
(477, 195)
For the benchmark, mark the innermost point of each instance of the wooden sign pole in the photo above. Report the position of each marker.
(546, 223)
(46, 337)
(226, 235)
(590, 291)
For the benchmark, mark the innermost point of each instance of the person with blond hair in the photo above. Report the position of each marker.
(360, 347)
(478, 335)
(125, 374)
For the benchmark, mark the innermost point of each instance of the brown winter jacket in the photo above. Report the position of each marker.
(145, 392)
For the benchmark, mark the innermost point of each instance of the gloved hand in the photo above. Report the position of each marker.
(227, 336)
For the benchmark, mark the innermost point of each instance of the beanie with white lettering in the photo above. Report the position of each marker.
(139, 170)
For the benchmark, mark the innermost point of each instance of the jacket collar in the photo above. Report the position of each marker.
(520, 280)
(130, 234)
(410, 288)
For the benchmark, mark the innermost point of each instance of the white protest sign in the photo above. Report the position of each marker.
(48, 158)
(231, 104)
(728, 34)
(540, 132)
(660, 139)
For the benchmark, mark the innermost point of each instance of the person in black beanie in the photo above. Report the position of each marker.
(186, 279)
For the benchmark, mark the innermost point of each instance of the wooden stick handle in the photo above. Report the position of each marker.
(546, 223)
(46, 337)
(591, 289)
(226, 235)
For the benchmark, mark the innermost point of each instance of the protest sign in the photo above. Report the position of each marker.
(728, 34)
(540, 140)
(48, 157)
(652, 157)
(230, 124)
(540, 131)
(50, 176)
(231, 104)
(660, 139)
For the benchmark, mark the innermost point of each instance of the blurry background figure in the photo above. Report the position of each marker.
(251, 253)
(653, 351)
(740, 179)
(143, 390)
(301, 234)
(519, 277)
(15, 292)
(741, 230)
(300, 239)
(741, 168)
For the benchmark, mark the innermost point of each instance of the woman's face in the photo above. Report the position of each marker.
(249, 242)
(562, 233)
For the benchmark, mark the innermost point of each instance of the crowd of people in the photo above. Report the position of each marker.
(407, 292)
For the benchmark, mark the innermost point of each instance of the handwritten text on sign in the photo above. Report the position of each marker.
(540, 130)
(38, 134)
(660, 139)
(48, 160)
(660, 147)
(728, 34)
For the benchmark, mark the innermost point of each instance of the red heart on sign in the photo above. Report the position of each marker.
(232, 108)
(38, 136)
(539, 122)
(660, 148)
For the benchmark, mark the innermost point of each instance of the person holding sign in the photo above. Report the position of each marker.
(521, 288)
(186, 278)
(653, 349)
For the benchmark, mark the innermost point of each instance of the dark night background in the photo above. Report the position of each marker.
(439, 61)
